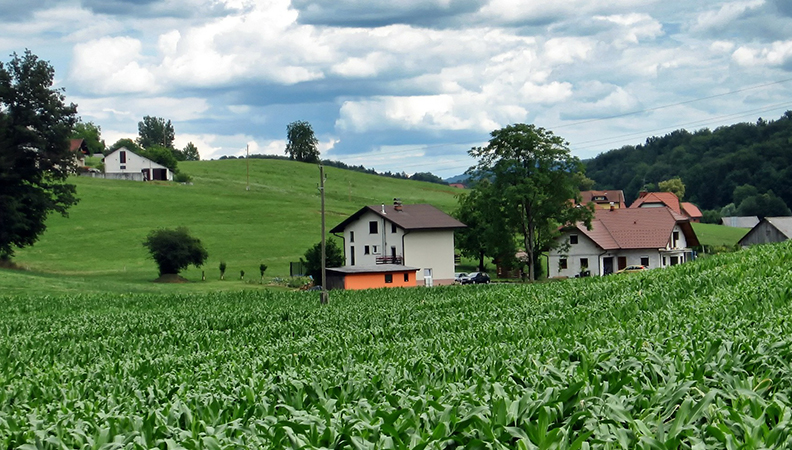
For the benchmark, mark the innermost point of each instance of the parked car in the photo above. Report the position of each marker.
(458, 276)
(632, 269)
(476, 278)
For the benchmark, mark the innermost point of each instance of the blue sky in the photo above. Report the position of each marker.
(410, 85)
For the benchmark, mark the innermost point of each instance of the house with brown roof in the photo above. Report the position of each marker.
(379, 239)
(604, 199)
(80, 150)
(651, 237)
(669, 199)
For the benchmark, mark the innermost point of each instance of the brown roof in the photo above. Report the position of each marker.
(666, 198)
(635, 228)
(691, 210)
(615, 196)
(411, 217)
(78, 145)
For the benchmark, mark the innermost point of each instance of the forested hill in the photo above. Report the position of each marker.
(756, 157)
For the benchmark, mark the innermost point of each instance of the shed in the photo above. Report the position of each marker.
(768, 230)
(371, 277)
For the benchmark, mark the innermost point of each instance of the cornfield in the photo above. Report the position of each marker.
(691, 357)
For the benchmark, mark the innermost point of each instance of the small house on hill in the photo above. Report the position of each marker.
(651, 237)
(669, 199)
(80, 150)
(604, 199)
(387, 243)
(128, 165)
(768, 230)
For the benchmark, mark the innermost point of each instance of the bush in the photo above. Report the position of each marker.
(334, 257)
(181, 177)
(174, 250)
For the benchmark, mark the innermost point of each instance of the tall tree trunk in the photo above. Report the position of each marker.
(481, 261)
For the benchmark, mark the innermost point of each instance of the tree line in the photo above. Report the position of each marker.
(740, 169)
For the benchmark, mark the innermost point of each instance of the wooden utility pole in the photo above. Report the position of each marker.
(323, 296)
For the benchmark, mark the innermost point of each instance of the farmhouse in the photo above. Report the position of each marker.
(768, 230)
(668, 199)
(604, 199)
(391, 242)
(651, 237)
(128, 165)
(80, 151)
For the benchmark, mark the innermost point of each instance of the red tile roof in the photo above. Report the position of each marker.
(691, 210)
(666, 198)
(411, 217)
(636, 228)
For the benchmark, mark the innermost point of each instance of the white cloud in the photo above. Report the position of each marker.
(111, 66)
(777, 54)
(726, 14)
(124, 109)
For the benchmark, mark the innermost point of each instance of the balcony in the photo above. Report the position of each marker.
(390, 260)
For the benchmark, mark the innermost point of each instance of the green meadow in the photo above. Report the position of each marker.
(98, 248)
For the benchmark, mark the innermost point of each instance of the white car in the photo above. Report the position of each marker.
(458, 276)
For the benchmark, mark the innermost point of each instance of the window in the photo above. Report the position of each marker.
(674, 260)
(122, 157)
(645, 261)
(573, 239)
(351, 236)
(351, 255)
(366, 250)
(406, 277)
(675, 239)
(389, 278)
(122, 167)
(393, 227)
(664, 260)
(562, 263)
(373, 229)
(583, 263)
(375, 249)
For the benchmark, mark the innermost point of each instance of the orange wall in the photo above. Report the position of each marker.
(377, 280)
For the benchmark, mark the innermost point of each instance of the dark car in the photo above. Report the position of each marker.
(476, 278)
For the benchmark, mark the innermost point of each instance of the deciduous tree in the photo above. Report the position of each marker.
(674, 185)
(155, 131)
(35, 157)
(334, 257)
(536, 179)
(126, 143)
(302, 144)
(190, 152)
(91, 134)
(174, 250)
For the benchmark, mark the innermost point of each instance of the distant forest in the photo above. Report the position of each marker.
(741, 169)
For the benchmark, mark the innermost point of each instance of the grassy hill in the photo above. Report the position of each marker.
(99, 247)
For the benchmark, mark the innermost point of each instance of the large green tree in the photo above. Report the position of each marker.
(155, 131)
(175, 249)
(91, 134)
(127, 143)
(190, 152)
(536, 179)
(302, 144)
(334, 257)
(35, 158)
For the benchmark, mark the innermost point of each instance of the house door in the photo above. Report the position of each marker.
(607, 265)
(622, 262)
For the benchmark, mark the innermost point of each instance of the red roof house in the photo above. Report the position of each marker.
(652, 237)
(669, 199)
(604, 199)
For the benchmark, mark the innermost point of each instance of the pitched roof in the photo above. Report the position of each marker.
(782, 224)
(667, 198)
(411, 217)
(615, 196)
(635, 228)
(78, 145)
(740, 221)
(691, 210)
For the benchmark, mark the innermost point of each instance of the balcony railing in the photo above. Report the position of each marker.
(390, 260)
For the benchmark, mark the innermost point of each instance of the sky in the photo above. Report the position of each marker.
(410, 85)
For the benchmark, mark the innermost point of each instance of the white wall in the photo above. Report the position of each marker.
(384, 239)
(585, 248)
(434, 250)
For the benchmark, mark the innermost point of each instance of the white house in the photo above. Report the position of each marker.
(128, 165)
(651, 237)
(419, 236)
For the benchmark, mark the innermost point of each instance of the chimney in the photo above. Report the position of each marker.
(383, 209)
(397, 204)
(612, 206)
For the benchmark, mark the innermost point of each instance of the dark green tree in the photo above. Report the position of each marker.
(302, 144)
(334, 257)
(763, 205)
(174, 250)
(537, 180)
(486, 228)
(161, 155)
(155, 131)
(35, 156)
(91, 134)
(427, 176)
(190, 152)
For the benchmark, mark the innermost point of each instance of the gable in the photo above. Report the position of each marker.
(407, 217)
